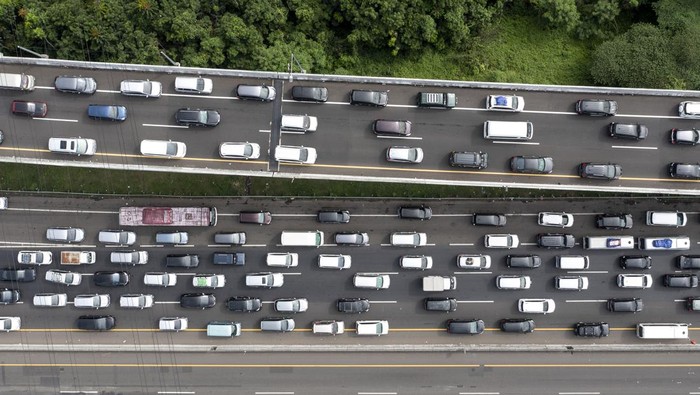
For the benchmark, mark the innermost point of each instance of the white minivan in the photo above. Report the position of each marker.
(513, 282)
(420, 262)
(282, 259)
(295, 154)
(508, 130)
(666, 218)
(572, 262)
(371, 280)
(313, 238)
(299, 123)
(409, 239)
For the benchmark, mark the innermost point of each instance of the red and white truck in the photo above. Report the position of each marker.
(167, 216)
(77, 257)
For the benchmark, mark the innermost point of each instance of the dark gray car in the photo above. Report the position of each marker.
(629, 131)
(555, 240)
(635, 262)
(682, 280)
(523, 261)
(600, 171)
(182, 260)
(517, 325)
(684, 170)
(244, 304)
(310, 93)
(369, 98)
(470, 160)
(440, 304)
(197, 117)
(415, 212)
(18, 275)
(614, 221)
(532, 164)
(229, 258)
(688, 262)
(333, 216)
(465, 327)
(353, 305)
(352, 238)
(596, 107)
(625, 305)
(387, 127)
(488, 219)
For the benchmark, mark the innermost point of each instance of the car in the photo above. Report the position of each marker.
(685, 136)
(295, 154)
(196, 85)
(282, 259)
(391, 128)
(163, 149)
(351, 238)
(469, 159)
(532, 164)
(50, 300)
(501, 241)
(488, 219)
(197, 301)
(629, 131)
(689, 109)
(160, 279)
(404, 154)
(255, 217)
(63, 277)
(208, 281)
(688, 262)
(256, 92)
(117, 237)
(197, 117)
(596, 107)
(329, 327)
(136, 301)
(538, 306)
(182, 260)
(415, 212)
(18, 275)
(96, 322)
(142, 88)
(353, 305)
(229, 258)
(666, 218)
(641, 281)
(681, 280)
(420, 262)
(371, 328)
(555, 240)
(173, 324)
(232, 150)
(310, 93)
(692, 304)
(73, 146)
(3, 199)
(523, 261)
(684, 170)
(614, 221)
(264, 280)
(333, 216)
(440, 304)
(505, 103)
(334, 261)
(571, 283)
(105, 112)
(592, 329)
(132, 257)
(369, 98)
(91, 301)
(513, 282)
(110, 279)
(34, 109)
(9, 296)
(298, 123)
(517, 325)
(244, 304)
(277, 324)
(625, 305)
(230, 238)
(371, 280)
(75, 84)
(471, 261)
(635, 262)
(291, 305)
(559, 220)
(35, 257)
(600, 171)
(172, 237)
(465, 327)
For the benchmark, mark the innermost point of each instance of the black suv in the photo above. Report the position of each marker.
(334, 216)
(683, 280)
(197, 300)
(600, 171)
(635, 262)
(592, 329)
(614, 221)
(182, 260)
(630, 131)
(489, 219)
(525, 261)
(465, 327)
(596, 107)
(197, 117)
(310, 93)
(244, 303)
(111, 279)
(19, 275)
(9, 296)
(369, 98)
(96, 322)
(470, 160)
(440, 304)
(518, 325)
(555, 240)
(415, 212)
(353, 305)
(689, 262)
(625, 305)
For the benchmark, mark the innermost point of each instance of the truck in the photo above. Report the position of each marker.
(167, 216)
(439, 283)
(77, 257)
(437, 100)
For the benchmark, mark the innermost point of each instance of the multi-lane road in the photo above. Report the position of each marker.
(347, 149)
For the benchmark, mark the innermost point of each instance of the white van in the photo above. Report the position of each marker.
(20, 82)
(282, 259)
(129, 257)
(608, 243)
(409, 239)
(666, 218)
(662, 331)
(571, 283)
(508, 130)
(302, 239)
(572, 262)
(223, 329)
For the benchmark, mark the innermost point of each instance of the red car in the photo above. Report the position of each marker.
(34, 109)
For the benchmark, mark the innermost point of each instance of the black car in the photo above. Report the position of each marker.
(600, 171)
(685, 136)
(333, 216)
(683, 280)
(596, 107)
(614, 221)
(229, 258)
(688, 262)
(471, 160)
(310, 93)
(391, 128)
(465, 327)
(36, 109)
(415, 212)
(9, 296)
(75, 84)
(555, 240)
(255, 217)
(369, 98)
(517, 325)
(629, 131)
(96, 322)
(440, 304)
(353, 305)
(532, 164)
(625, 305)
(197, 300)
(182, 260)
(592, 329)
(19, 275)
(111, 279)
(523, 261)
(684, 170)
(635, 262)
(197, 117)
(488, 219)
(245, 304)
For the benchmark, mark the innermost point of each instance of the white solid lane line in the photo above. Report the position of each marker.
(475, 301)
(586, 301)
(155, 125)
(633, 147)
(514, 142)
(56, 119)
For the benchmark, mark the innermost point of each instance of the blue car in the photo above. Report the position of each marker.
(107, 112)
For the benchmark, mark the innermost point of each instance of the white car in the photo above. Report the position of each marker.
(141, 88)
(560, 220)
(505, 103)
(299, 123)
(163, 149)
(371, 328)
(538, 306)
(196, 85)
(66, 235)
(634, 281)
(94, 301)
(467, 261)
(172, 324)
(513, 282)
(420, 262)
(403, 154)
(330, 327)
(371, 280)
(63, 277)
(35, 257)
(292, 305)
(334, 261)
(501, 241)
(282, 259)
(209, 281)
(239, 150)
(73, 146)
(3, 203)
(160, 279)
(50, 300)
(295, 154)
(119, 237)
(264, 280)
(136, 301)
(9, 324)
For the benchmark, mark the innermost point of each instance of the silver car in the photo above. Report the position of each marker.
(403, 154)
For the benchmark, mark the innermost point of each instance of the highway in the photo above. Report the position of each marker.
(347, 147)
